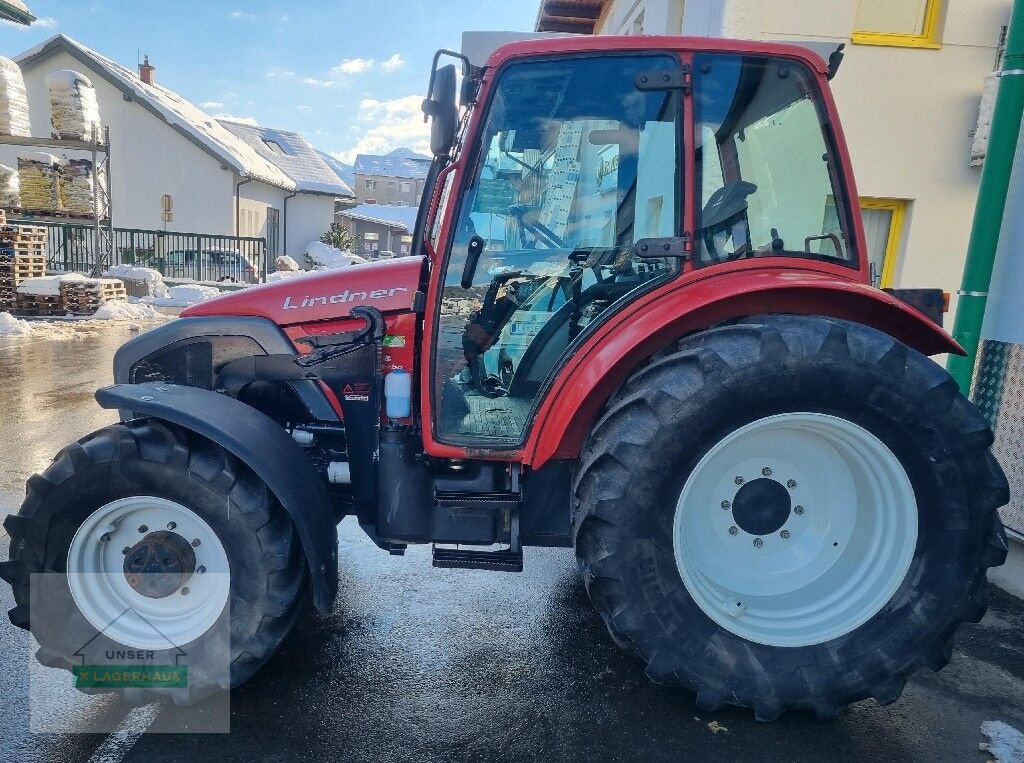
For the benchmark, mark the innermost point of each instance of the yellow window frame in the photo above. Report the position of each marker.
(929, 37)
(898, 208)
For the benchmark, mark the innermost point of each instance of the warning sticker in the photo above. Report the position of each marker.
(394, 341)
(358, 392)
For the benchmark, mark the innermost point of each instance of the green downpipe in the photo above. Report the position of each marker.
(988, 214)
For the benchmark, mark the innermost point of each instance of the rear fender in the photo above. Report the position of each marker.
(262, 445)
(603, 363)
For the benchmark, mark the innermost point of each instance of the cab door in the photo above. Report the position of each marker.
(575, 162)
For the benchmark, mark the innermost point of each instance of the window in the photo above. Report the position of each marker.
(274, 146)
(406, 187)
(883, 232)
(905, 23)
(369, 185)
(576, 166)
(765, 170)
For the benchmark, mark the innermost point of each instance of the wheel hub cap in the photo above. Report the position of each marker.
(159, 564)
(761, 507)
(795, 529)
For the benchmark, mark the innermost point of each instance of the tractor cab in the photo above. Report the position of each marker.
(593, 180)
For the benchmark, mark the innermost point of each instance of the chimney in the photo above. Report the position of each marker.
(146, 71)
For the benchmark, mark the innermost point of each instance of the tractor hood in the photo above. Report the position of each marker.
(388, 286)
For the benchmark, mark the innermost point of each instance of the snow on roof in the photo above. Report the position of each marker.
(400, 163)
(183, 116)
(383, 214)
(290, 152)
(345, 171)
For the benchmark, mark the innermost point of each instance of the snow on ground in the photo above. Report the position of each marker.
(11, 326)
(120, 310)
(324, 256)
(284, 262)
(183, 295)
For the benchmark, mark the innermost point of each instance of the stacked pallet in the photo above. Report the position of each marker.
(84, 296)
(22, 239)
(14, 270)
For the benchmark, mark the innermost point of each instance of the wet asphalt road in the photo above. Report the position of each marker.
(415, 663)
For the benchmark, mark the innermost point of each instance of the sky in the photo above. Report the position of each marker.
(349, 75)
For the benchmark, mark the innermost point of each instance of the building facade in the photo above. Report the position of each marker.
(908, 92)
(379, 228)
(395, 178)
(219, 179)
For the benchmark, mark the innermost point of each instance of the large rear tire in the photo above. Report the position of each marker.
(789, 513)
(169, 496)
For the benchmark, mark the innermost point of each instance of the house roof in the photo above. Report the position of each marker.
(181, 115)
(384, 214)
(400, 163)
(290, 152)
(575, 16)
(345, 171)
(16, 11)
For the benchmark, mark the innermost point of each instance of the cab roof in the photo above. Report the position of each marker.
(618, 44)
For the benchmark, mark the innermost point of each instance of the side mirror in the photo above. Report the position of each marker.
(443, 111)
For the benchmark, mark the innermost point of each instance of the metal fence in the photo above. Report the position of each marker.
(198, 256)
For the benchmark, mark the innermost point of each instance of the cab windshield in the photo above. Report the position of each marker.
(577, 163)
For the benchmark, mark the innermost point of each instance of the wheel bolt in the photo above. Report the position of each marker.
(798, 509)
(143, 529)
(758, 543)
(766, 472)
(784, 534)
(125, 550)
(733, 530)
(726, 504)
(195, 542)
(105, 538)
(201, 569)
(184, 591)
(171, 525)
(738, 480)
(791, 484)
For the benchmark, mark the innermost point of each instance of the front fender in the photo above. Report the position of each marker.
(606, 359)
(262, 445)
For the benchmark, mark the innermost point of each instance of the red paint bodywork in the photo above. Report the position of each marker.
(388, 286)
(693, 300)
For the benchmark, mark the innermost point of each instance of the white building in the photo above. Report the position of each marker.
(222, 178)
(908, 92)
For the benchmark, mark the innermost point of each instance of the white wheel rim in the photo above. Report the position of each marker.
(841, 553)
(101, 589)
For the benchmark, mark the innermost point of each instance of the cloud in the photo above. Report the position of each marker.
(280, 74)
(242, 15)
(304, 108)
(393, 64)
(251, 121)
(314, 82)
(396, 122)
(212, 105)
(353, 66)
(43, 22)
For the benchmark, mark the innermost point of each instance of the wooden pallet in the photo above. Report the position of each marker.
(85, 296)
(25, 243)
(31, 304)
(22, 229)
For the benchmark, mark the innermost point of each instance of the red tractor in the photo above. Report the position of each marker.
(637, 321)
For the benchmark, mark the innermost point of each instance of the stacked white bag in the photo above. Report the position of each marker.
(10, 194)
(13, 100)
(77, 195)
(74, 113)
(38, 178)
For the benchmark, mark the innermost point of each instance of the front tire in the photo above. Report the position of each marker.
(145, 492)
(694, 553)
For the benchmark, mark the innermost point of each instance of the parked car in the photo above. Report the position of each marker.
(209, 265)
